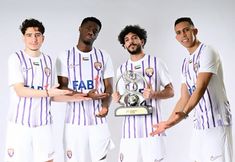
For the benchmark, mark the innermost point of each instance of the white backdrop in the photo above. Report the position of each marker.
(214, 18)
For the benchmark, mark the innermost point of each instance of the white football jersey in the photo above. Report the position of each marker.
(213, 108)
(85, 71)
(156, 74)
(36, 73)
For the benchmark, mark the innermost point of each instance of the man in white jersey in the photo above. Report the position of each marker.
(31, 80)
(203, 91)
(87, 70)
(136, 142)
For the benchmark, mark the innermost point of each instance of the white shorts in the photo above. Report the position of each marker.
(25, 144)
(86, 142)
(142, 149)
(213, 145)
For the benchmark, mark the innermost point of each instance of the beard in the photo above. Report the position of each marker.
(135, 51)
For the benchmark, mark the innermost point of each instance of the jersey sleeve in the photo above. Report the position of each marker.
(209, 61)
(108, 69)
(61, 65)
(163, 73)
(15, 73)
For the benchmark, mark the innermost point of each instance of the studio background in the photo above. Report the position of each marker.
(215, 20)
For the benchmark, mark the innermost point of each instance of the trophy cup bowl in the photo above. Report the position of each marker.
(132, 102)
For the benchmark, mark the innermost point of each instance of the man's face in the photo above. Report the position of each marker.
(133, 43)
(186, 34)
(33, 39)
(89, 32)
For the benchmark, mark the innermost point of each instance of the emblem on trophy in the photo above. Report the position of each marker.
(132, 101)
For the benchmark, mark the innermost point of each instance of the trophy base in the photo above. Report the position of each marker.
(134, 110)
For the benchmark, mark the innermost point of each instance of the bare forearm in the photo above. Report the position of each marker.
(29, 92)
(167, 92)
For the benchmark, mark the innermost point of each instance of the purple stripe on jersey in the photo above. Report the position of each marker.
(156, 84)
(146, 127)
(212, 113)
(134, 126)
(79, 112)
(26, 67)
(203, 99)
(203, 127)
(74, 63)
(41, 111)
(26, 83)
(183, 66)
(30, 104)
(68, 67)
(92, 78)
(74, 111)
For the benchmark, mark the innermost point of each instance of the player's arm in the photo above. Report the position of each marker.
(73, 96)
(23, 91)
(167, 92)
(186, 103)
(108, 83)
(172, 120)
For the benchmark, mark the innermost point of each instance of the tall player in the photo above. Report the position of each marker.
(203, 91)
(87, 70)
(136, 142)
(31, 79)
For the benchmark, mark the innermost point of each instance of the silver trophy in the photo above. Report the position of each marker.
(132, 102)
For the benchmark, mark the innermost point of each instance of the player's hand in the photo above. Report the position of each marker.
(116, 96)
(54, 91)
(94, 95)
(80, 97)
(103, 112)
(148, 92)
(159, 128)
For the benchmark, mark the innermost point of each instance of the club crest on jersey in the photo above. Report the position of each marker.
(195, 67)
(137, 67)
(10, 152)
(69, 154)
(47, 71)
(98, 66)
(149, 72)
(85, 58)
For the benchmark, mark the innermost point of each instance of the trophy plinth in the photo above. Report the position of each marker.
(132, 102)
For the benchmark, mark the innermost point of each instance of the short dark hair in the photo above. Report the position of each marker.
(183, 19)
(32, 23)
(93, 19)
(136, 29)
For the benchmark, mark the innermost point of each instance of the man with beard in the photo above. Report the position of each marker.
(88, 71)
(136, 142)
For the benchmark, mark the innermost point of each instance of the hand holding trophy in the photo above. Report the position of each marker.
(132, 102)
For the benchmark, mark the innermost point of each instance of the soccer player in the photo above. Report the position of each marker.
(31, 80)
(203, 91)
(87, 70)
(136, 142)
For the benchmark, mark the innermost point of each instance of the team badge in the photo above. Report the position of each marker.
(10, 152)
(47, 71)
(98, 66)
(69, 154)
(137, 67)
(149, 72)
(195, 67)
